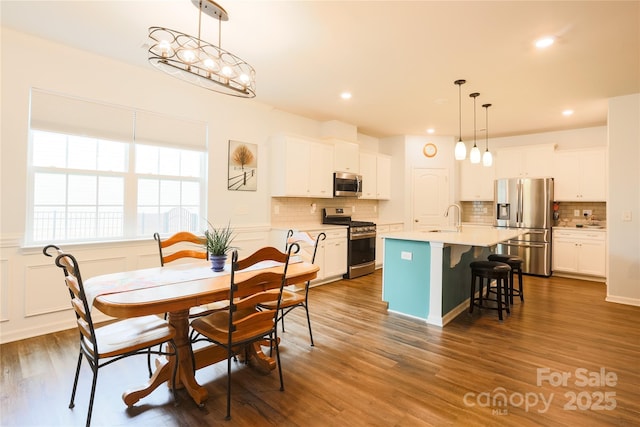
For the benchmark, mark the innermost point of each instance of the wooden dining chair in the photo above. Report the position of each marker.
(178, 241)
(291, 300)
(242, 324)
(113, 341)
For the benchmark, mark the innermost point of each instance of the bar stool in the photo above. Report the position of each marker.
(515, 262)
(490, 270)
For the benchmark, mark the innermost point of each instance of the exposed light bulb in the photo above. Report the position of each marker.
(164, 47)
(188, 56)
(209, 63)
(474, 156)
(227, 71)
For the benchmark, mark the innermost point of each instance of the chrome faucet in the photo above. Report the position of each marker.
(459, 222)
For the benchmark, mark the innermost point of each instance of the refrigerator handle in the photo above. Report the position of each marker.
(519, 202)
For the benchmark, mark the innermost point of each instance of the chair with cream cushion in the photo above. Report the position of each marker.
(113, 341)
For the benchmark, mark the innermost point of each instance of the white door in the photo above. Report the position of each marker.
(430, 197)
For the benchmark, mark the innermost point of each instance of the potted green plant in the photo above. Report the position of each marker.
(218, 243)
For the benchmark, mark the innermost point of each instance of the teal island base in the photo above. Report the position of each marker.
(428, 280)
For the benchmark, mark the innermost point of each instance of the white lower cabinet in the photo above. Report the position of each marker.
(381, 231)
(581, 252)
(334, 254)
(331, 256)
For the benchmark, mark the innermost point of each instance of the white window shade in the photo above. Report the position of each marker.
(165, 130)
(63, 114)
(73, 116)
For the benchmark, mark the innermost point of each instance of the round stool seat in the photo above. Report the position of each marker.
(515, 262)
(507, 259)
(483, 273)
(490, 266)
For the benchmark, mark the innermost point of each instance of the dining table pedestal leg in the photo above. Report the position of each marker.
(185, 376)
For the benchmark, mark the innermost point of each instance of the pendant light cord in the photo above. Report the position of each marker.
(486, 125)
(474, 95)
(460, 82)
(460, 112)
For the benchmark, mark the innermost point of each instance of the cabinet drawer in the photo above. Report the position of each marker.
(336, 234)
(580, 234)
(394, 228)
(382, 229)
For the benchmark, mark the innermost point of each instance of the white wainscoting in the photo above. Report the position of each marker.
(34, 299)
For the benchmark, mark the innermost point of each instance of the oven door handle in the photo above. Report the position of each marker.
(363, 236)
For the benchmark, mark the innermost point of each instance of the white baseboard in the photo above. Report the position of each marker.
(47, 328)
(623, 300)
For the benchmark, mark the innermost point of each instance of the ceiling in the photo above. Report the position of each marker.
(399, 59)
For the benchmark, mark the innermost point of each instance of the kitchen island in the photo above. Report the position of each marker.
(426, 274)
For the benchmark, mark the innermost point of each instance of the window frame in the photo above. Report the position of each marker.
(130, 190)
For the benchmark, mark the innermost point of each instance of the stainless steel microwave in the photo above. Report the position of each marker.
(347, 184)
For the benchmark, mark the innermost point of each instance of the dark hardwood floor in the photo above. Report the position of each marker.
(370, 368)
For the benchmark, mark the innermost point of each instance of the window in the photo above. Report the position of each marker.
(96, 188)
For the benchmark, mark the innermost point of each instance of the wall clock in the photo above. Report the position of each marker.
(429, 150)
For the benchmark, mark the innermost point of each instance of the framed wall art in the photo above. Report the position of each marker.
(243, 166)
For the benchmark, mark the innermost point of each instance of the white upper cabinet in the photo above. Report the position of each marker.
(368, 170)
(580, 175)
(321, 170)
(346, 156)
(300, 167)
(476, 181)
(383, 163)
(535, 161)
(376, 175)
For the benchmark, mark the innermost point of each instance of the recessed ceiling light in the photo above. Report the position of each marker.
(567, 112)
(345, 95)
(544, 42)
(431, 130)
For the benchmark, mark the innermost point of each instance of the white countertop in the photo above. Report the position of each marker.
(583, 228)
(468, 235)
(308, 227)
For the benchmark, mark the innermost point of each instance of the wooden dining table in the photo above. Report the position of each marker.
(174, 290)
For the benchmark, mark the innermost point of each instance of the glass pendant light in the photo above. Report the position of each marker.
(475, 151)
(461, 149)
(487, 158)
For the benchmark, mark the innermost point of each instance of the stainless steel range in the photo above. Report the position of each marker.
(361, 251)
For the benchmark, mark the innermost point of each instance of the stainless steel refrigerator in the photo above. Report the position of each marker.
(526, 204)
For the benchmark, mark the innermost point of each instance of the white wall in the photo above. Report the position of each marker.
(624, 195)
